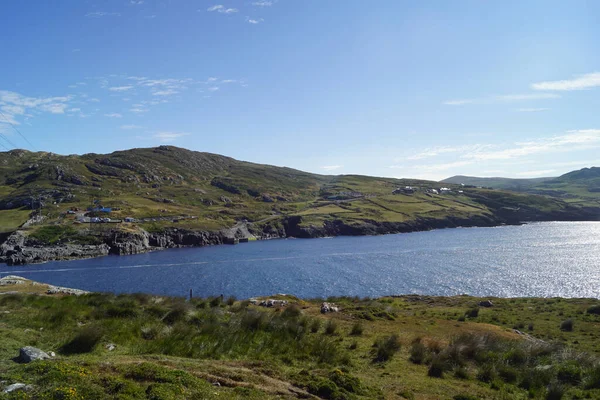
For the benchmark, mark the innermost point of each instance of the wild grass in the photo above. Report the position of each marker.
(172, 348)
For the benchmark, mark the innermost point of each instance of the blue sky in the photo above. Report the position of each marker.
(424, 89)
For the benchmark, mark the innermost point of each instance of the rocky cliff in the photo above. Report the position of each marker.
(18, 249)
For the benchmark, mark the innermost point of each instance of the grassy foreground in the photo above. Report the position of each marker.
(408, 347)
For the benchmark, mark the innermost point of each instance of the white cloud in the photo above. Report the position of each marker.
(113, 115)
(99, 14)
(228, 81)
(120, 88)
(167, 92)
(436, 151)
(581, 82)
(222, 9)
(502, 98)
(263, 3)
(166, 137)
(572, 140)
(16, 105)
(538, 173)
(254, 21)
(531, 109)
(331, 167)
(213, 89)
(138, 110)
(528, 96)
(136, 2)
(130, 127)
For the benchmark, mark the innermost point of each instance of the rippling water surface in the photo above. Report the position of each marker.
(541, 259)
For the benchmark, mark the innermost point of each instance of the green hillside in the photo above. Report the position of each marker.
(172, 187)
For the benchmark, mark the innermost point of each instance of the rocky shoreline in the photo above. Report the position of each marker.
(19, 249)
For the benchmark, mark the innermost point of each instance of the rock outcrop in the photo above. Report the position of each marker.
(18, 250)
(28, 354)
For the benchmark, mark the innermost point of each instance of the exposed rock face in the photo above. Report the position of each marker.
(328, 308)
(28, 354)
(486, 303)
(15, 387)
(18, 250)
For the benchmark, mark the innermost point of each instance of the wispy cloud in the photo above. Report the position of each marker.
(254, 21)
(136, 2)
(15, 105)
(263, 3)
(138, 109)
(222, 9)
(99, 14)
(531, 109)
(331, 167)
(439, 150)
(582, 82)
(166, 137)
(130, 127)
(213, 88)
(502, 98)
(572, 140)
(113, 115)
(167, 92)
(120, 88)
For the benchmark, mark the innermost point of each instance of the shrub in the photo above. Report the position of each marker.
(315, 325)
(592, 378)
(594, 309)
(566, 325)
(487, 373)
(331, 327)
(507, 374)
(437, 367)
(385, 348)
(555, 391)
(357, 329)
(461, 373)
(84, 342)
(253, 320)
(230, 300)
(464, 397)
(325, 351)
(292, 311)
(216, 301)
(418, 352)
(569, 373)
(121, 311)
(472, 313)
(177, 313)
(346, 381)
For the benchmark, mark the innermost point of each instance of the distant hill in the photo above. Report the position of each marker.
(496, 182)
(580, 187)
